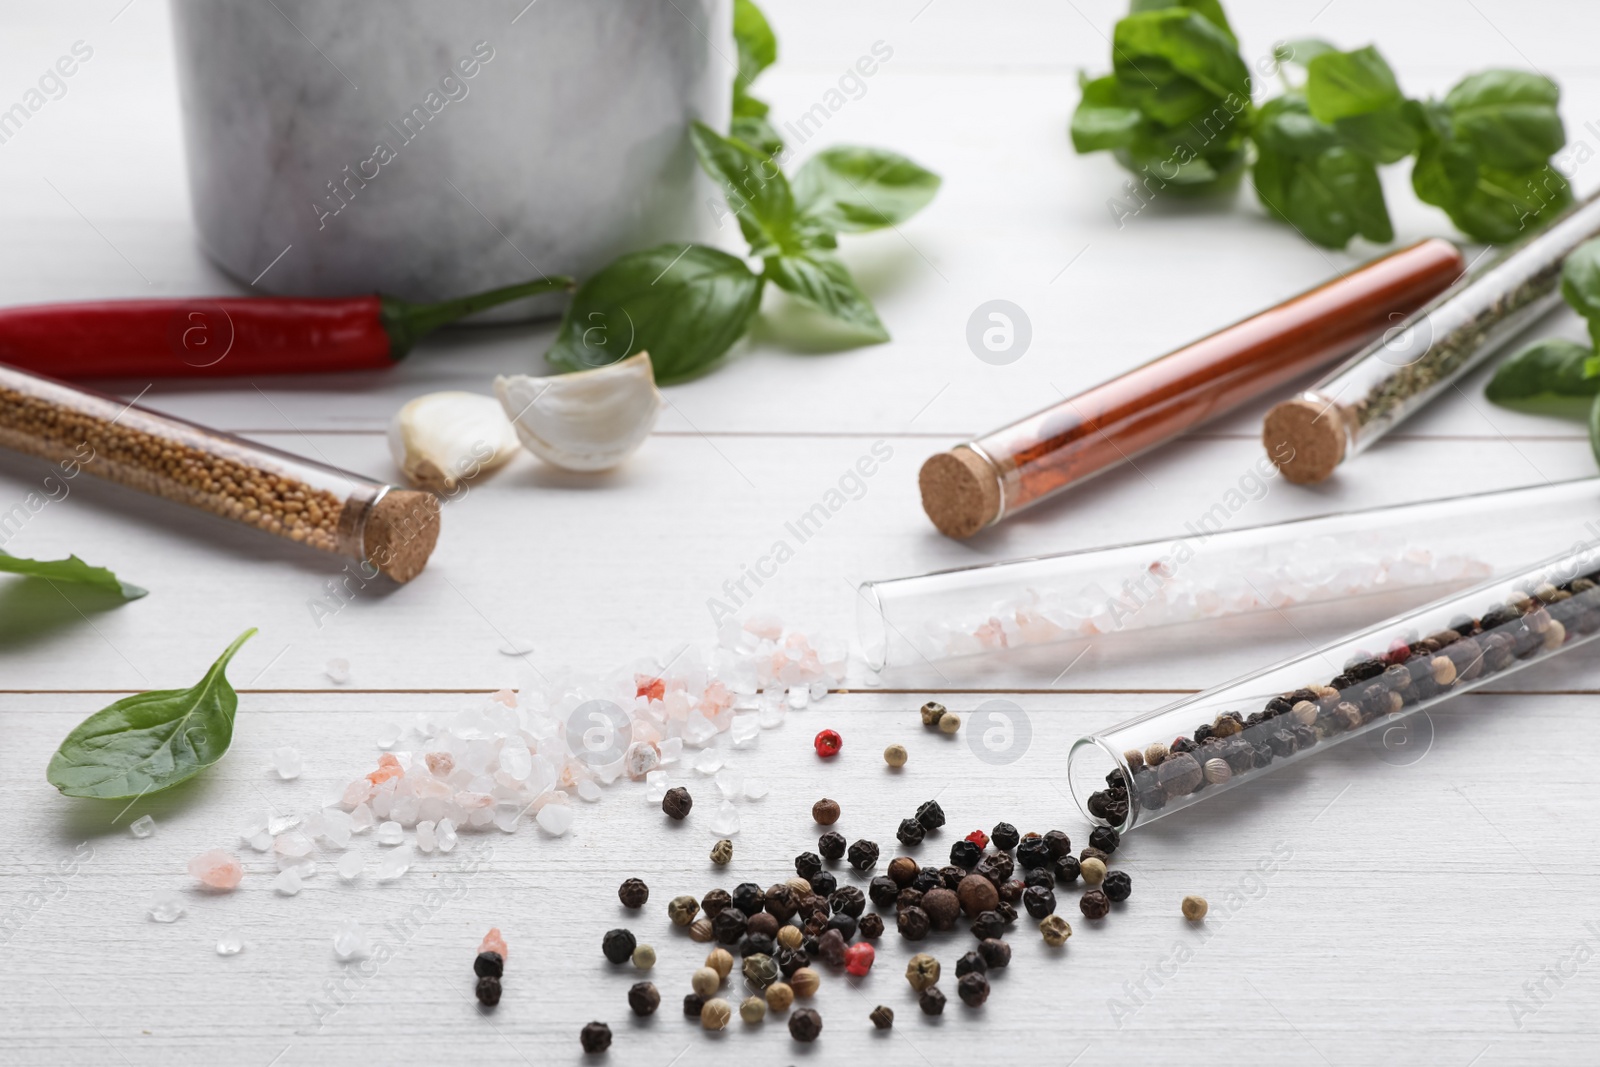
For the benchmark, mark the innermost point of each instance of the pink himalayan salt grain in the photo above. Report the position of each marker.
(388, 767)
(356, 793)
(440, 764)
(217, 869)
(493, 942)
(992, 634)
(508, 697)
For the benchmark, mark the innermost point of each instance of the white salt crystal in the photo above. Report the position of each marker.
(755, 788)
(506, 817)
(293, 844)
(708, 762)
(350, 942)
(350, 866)
(799, 697)
(818, 690)
(388, 735)
(337, 826)
(729, 781)
(287, 882)
(304, 868)
(445, 835)
(279, 824)
(656, 786)
(261, 842)
(770, 717)
(516, 646)
(394, 864)
(338, 671)
(746, 729)
(555, 819)
(425, 837)
(143, 826)
(166, 907)
(230, 944)
(361, 819)
(390, 833)
(481, 817)
(517, 761)
(671, 750)
(587, 790)
(725, 823)
(286, 761)
(404, 810)
(698, 730)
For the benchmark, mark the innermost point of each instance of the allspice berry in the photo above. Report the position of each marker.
(932, 712)
(949, 722)
(805, 1025)
(720, 960)
(633, 893)
(977, 894)
(804, 982)
(895, 755)
(595, 1038)
(701, 930)
(922, 971)
(973, 989)
(682, 910)
(644, 998)
(943, 907)
(677, 802)
(1194, 908)
(1055, 930)
(716, 1013)
(1093, 871)
(882, 1017)
(722, 852)
(825, 812)
(779, 996)
(753, 1010)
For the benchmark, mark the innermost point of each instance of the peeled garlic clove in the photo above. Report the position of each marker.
(590, 420)
(443, 439)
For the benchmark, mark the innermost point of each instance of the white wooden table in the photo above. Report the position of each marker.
(1439, 912)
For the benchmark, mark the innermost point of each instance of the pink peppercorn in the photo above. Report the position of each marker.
(828, 743)
(858, 959)
(979, 838)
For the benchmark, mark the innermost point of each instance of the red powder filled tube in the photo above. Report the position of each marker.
(981, 482)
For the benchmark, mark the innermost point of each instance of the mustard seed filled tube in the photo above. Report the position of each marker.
(391, 530)
(1175, 757)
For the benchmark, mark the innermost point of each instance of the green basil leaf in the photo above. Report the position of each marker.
(1509, 117)
(150, 741)
(1302, 51)
(1305, 176)
(756, 131)
(757, 44)
(1176, 66)
(1210, 10)
(1104, 118)
(1580, 284)
(1548, 376)
(72, 569)
(685, 306)
(756, 189)
(1356, 93)
(821, 280)
(853, 190)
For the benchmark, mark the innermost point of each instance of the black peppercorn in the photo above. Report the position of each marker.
(791, 960)
(996, 866)
(757, 945)
(1118, 886)
(910, 833)
(847, 900)
(677, 802)
(883, 890)
(489, 965)
(965, 854)
(1011, 889)
(970, 962)
(1039, 876)
(595, 1038)
(951, 876)
(844, 924)
(1091, 853)
(1202, 733)
(1067, 869)
(729, 925)
(1006, 911)
(988, 924)
(807, 864)
(488, 990)
(973, 989)
(1033, 852)
(749, 898)
(781, 902)
(882, 1017)
(927, 878)
(1058, 843)
(913, 923)
(909, 897)
(831, 845)
(930, 815)
(805, 1025)
(902, 869)
(863, 855)
(633, 893)
(713, 902)
(823, 883)
(830, 947)
(931, 1001)
(995, 953)
(1004, 836)
(871, 926)
(1105, 839)
(644, 998)
(1094, 904)
(692, 1003)
(618, 945)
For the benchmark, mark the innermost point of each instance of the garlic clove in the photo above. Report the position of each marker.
(589, 420)
(443, 439)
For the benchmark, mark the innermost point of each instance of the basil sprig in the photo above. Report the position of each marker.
(72, 569)
(1177, 111)
(758, 50)
(150, 741)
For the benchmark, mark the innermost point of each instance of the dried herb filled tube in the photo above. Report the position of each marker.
(387, 529)
(1204, 574)
(981, 482)
(1175, 757)
(1382, 386)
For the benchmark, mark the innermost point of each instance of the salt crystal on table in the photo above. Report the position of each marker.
(481, 817)
(709, 762)
(725, 823)
(388, 735)
(656, 786)
(517, 761)
(280, 823)
(361, 819)
(261, 842)
(394, 864)
(729, 781)
(671, 750)
(390, 833)
(445, 835)
(506, 816)
(230, 944)
(555, 819)
(516, 646)
(217, 869)
(337, 827)
(143, 826)
(350, 866)
(304, 868)
(338, 671)
(287, 882)
(745, 730)
(286, 761)
(819, 690)
(294, 843)
(799, 697)
(755, 788)
(770, 717)
(166, 907)
(425, 838)
(350, 942)
(587, 790)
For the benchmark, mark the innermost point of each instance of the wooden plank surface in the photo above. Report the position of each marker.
(1439, 911)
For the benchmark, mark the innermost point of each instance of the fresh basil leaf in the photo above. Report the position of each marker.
(1176, 66)
(1306, 176)
(757, 44)
(1509, 117)
(757, 192)
(853, 190)
(1356, 93)
(757, 132)
(686, 306)
(151, 741)
(1580, 285)
(1210, 10)
(1103, 119)
(1548, 376)
(1302, 51)
(820, 279)
(72, 569)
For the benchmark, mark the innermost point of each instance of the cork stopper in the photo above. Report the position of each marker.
(960, 491)
(1305, 438)
(401, 531)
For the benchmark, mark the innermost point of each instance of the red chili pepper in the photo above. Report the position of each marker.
(231, 335)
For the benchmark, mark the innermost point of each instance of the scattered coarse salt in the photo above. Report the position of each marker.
(755, 788)
(725, 822)
(394, 864)
(350, 866)
(388, 735)
(293, 844)
(390, 833)
(217, 869)
(288, 882)
(516, 646)
(286, 761)
(350, 942)
(425, 838)
(555, 819)
(445, 835)
(143, 826)
(338, 671)
(230, 943)
(166, 907)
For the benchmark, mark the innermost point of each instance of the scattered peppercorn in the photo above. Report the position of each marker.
(1090, 852)
(1058, 844)
(977, 894)
(715, 902)
(1105, 838)
(761, 970)
(969, 962)
(618, 945)
(700, 930)
(922, 971)
(872, 925)
(902, 869)
(1004, 836)
(825, 812)
(1033, 852)
(931, 1001)
(831, 845)
(753, 1010)
(633, 893)
(595, 1038)
(995, 952)
(1039, 901)
(1094, 904)
(943, 907)
(1039, 876)
(883, 889)
(682, 910)
(913, 923)
(488, 990)
(805, 1025)
(1007, 913)
(1117, 885)
(988, 924)
(807, 865)
(730, 925)
(677, 802)
(1055, 930)
(779, 996)
(705, 981)
(693, 1005)
(721, 961)
(1194, 908)
(932, 713)
(864, 855)
(749, 898)
(930, 815)
(910, 833)
(644, 957)
(895, 756)
(827, 743)
(722, 852)
(830, 946)
(949, 722)
(716, 1013)
(882, 1017)
(965, 853)
(804, 982)
(996, 866)
(858, 959)
(973, 989)
(1093, 871)
(762, 926)
(489, 965)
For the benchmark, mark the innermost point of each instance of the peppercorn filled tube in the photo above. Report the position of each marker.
(1175, 757)
(387, 529)
(1393, 378)
(982, 481)
(1203, 575)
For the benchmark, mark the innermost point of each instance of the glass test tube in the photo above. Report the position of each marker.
(1176, 756)
(1389, 381)
(998, 607)
(314, 504)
